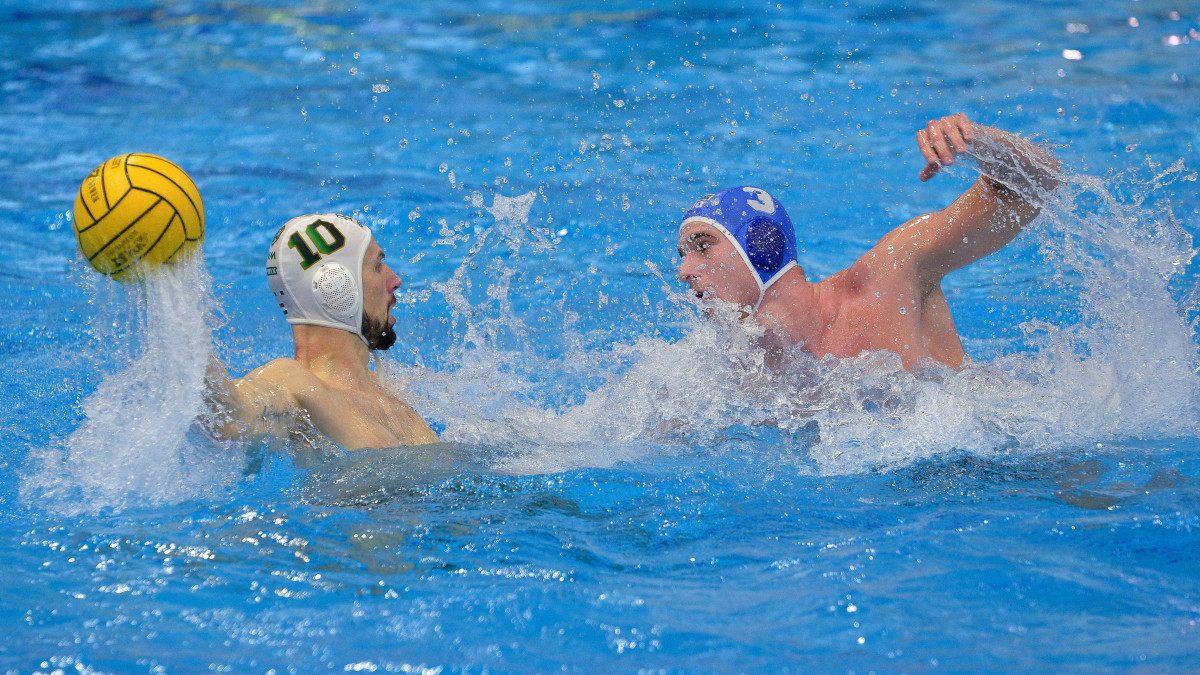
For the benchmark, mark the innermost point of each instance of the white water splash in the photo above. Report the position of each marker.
(137, 444)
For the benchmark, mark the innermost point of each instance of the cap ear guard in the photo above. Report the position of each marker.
(336, 290)
(765, 244)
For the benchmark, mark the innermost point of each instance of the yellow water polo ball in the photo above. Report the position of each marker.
(136, 211)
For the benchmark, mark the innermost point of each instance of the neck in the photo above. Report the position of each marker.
(334, 352)
(790, 308)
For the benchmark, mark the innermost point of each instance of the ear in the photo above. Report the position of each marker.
(765, 244)
(335, 289)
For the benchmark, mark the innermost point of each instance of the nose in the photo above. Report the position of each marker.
(394, 280)
(687, 270)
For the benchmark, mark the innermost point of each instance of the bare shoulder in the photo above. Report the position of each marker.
(283, 371)
(891, 261)
(884, 276)
(839, 295)
(279, 384)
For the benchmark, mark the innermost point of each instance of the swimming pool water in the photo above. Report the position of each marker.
(623, 488)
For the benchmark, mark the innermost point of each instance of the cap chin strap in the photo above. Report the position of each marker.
(762, 288)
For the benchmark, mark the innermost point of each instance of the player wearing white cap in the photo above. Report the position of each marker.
(328, 275)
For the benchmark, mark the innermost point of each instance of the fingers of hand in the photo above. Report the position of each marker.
(948, 137)
(965, 125)
(923, 142)
(941, 139)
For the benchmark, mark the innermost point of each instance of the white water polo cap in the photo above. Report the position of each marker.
(314, 268)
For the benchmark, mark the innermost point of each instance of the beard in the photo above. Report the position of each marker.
(379, 334)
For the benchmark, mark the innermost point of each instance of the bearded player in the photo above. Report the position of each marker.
(328, 274)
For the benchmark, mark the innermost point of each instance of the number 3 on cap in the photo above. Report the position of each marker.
(308, 257)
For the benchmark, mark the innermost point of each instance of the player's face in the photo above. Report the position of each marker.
(379, 296)
(712, 266)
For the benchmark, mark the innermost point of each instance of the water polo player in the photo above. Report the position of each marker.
(738, 246)
(328, 276)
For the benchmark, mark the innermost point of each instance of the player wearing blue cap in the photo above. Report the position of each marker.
(738, 246)
(327, 273)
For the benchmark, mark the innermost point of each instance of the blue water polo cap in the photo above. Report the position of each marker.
(757, 225)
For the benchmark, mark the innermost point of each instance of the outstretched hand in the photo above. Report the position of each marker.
(941, 140)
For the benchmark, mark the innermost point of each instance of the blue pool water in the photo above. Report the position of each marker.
(623, 487)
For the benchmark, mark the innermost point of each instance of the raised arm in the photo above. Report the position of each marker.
(1015, 177)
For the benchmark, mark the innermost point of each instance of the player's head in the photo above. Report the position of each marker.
(322, 268)
(735, 244)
